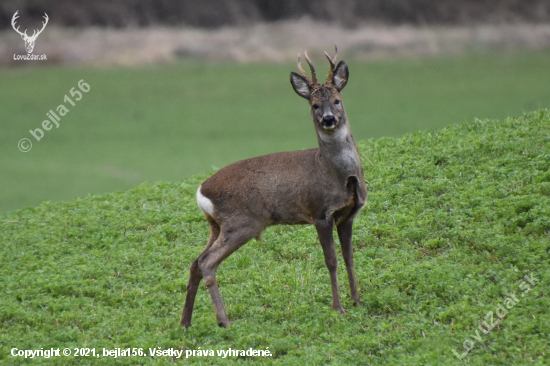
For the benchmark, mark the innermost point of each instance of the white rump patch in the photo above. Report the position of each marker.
(204, 203)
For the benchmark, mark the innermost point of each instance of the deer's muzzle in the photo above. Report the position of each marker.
(328, 122)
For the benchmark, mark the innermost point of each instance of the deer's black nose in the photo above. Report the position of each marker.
(328, 119)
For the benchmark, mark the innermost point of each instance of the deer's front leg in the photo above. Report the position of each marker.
(324, 230)
(344, 234)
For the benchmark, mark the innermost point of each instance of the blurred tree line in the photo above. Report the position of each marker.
(216, 13)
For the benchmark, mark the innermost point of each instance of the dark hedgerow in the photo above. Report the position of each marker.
(455, 219)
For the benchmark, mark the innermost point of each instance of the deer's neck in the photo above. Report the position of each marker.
(338, 151)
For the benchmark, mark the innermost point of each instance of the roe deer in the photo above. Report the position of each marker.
(323, 186)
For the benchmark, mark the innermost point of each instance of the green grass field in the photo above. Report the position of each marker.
(166, 123)
(454, 221)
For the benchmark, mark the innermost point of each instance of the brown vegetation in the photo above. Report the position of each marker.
(271, 42)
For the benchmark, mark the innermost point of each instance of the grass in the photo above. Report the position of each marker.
(455, 219)
(166, 123)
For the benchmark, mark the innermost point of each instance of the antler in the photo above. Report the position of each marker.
(43, 26)
(332, 65)
(313, 80)
(313, 74)
(15, 16)
(304, 74)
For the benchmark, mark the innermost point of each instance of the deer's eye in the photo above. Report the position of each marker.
(337, 102)
(316, 106)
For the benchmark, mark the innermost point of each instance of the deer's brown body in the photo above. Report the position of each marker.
(323, 187)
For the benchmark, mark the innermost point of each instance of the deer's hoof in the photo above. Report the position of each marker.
(339, 309)
(223, 324)
(184, 323)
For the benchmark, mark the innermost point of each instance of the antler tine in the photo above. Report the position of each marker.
(313, 74)
(332, 65)
(43, 24)
(302, 70)
(13, 19)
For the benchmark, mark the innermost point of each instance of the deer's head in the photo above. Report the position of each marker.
(29, 40)
(325, 100)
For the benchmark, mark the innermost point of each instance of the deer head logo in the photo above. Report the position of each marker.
(29, 41)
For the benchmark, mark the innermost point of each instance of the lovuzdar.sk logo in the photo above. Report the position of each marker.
(29, 40)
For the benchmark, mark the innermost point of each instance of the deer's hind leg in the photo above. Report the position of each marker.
(230, 239)
(195, 277)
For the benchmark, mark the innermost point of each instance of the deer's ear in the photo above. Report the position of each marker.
(23, 36)
(300, 85)
(341, 74)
